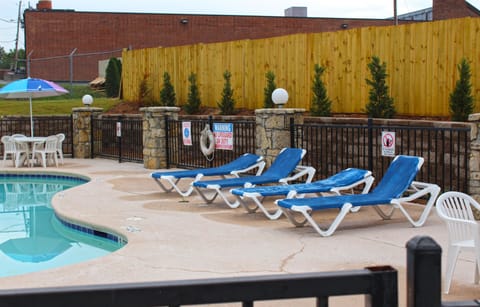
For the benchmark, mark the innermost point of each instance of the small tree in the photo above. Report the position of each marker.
(193, 103)
(113, 75)
(227, 103)
(145, 92)
(321, 105)
(380, 104)
(461, 99)
(271, 86)
(167, 93)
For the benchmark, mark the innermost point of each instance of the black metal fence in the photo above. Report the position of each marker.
(379, 285)
(42, 126)
(190, 156)
(118, 137)
(332, 147)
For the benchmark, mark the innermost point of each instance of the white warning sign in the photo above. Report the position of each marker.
(187, 133)
(388, 143)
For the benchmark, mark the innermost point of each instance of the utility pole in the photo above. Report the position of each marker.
(395, 15)
(16, 39)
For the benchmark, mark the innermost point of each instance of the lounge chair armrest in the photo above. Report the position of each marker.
(299, 172)
(421, 189)
(260, 165)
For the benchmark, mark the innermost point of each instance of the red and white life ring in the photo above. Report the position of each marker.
(207, 141)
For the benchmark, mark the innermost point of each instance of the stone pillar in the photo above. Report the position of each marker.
(82, 131)
(154, 135)
(273, 130)
(474, 162)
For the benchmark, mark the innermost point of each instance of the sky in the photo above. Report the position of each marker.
(315, 8)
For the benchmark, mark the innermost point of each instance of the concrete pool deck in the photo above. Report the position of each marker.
(173, 239)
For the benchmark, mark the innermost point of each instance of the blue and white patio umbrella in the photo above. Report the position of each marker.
(31, 88)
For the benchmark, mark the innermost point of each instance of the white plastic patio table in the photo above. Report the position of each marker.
(30, 140)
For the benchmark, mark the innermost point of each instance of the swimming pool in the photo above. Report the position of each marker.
(32, 237)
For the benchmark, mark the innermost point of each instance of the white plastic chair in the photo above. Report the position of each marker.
(8, 149)
(22, 149)
(61, 138)
(46, 150)
(455, 208)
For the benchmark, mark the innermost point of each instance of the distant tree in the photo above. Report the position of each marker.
(7, 59)
(461, 99)
(145, 92)
(269, 88)
(227, 103)
(321, 104)
(113, 76)
(380, 104)
(3, 58)
(167, 94)
(193, 103)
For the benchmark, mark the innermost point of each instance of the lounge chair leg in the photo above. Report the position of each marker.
(305, 211)
(207, 199)
(258, 205)
(292, 218)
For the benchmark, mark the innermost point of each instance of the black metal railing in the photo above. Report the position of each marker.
(117, 137)
(379, 285)
(42, 126)
(191, 156)
(332, 147)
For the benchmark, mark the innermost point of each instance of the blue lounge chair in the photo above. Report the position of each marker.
(345, 180)
(242, 164)
(284, 169)
(396, 188)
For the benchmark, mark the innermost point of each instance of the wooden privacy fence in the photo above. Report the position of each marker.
(421, 60)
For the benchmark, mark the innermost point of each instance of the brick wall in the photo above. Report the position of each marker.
(447, 9)
(57, 33)
(54, 34)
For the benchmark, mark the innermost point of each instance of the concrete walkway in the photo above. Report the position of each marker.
(172, 239)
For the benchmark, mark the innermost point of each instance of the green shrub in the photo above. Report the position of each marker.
(270, 87)
(461, 99)
(145, 92)
(113, 74)
(167, 94)
(380, 104)
(193, 103)
(227, 103)
(321, 105)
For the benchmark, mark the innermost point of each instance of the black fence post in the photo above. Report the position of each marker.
(384, 287)
(210, 124)
(119, 138)
(167, 140)
(92, 137)
(370, 143)
(70, 136)
(292, 132)
(424, 272)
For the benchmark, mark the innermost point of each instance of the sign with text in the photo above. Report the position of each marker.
(388, 144)
(223, 133)
(119, 129)
(187, 133)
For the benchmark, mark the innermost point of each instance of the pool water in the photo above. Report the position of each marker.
(32, 238)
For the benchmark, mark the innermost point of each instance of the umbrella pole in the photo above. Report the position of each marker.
(31, 118)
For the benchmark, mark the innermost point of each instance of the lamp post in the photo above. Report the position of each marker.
(279, 97)
(87, 100)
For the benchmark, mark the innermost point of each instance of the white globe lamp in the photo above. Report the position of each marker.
(87, 100)
(279, 97)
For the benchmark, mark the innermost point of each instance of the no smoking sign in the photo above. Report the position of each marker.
(388, 143)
